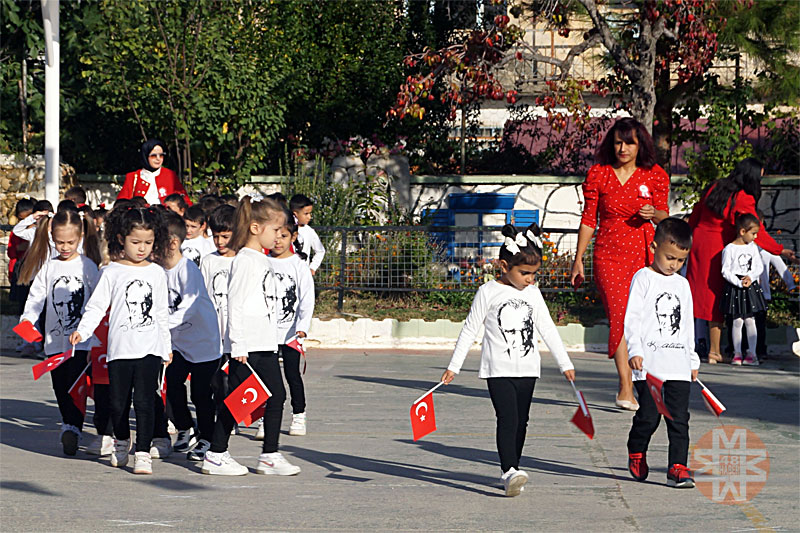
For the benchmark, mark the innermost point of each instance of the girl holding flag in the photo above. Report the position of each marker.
(63, 285)
(512, 312)
(254, 371)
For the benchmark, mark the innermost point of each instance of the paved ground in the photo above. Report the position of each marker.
(362, 471)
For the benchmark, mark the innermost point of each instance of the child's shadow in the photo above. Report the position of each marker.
(338, 462)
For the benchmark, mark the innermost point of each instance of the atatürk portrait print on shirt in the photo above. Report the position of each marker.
(139, 299)
(67, 296)
(515, 320)
(287, 297)
(668, 313)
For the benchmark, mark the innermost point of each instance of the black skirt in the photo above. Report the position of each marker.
(739, 302)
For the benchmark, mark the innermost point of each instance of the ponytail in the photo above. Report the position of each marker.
(252, 208)
(37, 254)
(91, 240)
(521, 247)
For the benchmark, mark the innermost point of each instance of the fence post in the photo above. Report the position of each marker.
(342, 265)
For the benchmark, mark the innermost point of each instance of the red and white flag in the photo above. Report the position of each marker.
(712, 403)
(162, 386)
(51, 363)
(99, 354)
(257, 414)
(247, 397)
(81, 389)
(297, 344)
(656, 388)
(226, 367)
(423, 416)
(26, 330)
(582, 419)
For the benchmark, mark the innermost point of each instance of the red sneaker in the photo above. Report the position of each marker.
(637, 466)
(680, 477)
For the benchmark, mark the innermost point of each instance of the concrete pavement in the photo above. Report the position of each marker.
(362, 471)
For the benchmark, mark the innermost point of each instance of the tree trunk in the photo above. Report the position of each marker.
(643, 104)
(23, 102)
(463, 141)
(662, 125)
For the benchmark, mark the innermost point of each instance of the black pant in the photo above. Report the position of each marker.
(102, 410)
(291, 369)
(269, 370)
(63, 377)
(202, 374)
(137, 378)
(647, 418)
(511, 398)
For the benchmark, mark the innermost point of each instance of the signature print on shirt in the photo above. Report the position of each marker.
(192, 254)
(287, 291)
(219, 291)
(67, 295)
(668, 313)
(139, 300)
(515, 320)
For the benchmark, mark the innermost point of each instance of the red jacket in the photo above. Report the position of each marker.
(16, 250)
(167, 182)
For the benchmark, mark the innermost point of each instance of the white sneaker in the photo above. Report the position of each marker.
(260, 430)
(198, 453)
(142, 463)
(120, 455)
(222, 464)
(186, 439)
(298, 426)
(513, 481)
(102, 445)
(275, 464)
(160, 448)
(171, 429)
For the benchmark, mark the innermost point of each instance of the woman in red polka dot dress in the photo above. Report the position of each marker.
(627, 192)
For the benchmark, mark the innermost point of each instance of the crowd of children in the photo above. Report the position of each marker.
(221, 290)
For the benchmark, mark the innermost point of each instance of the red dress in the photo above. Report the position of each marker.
(622, 244)
(710, 234)
(167, 183)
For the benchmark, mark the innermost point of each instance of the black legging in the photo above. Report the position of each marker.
(511, 398)
(137, 378)
(291, 369)
(202, 398)
(63, 377)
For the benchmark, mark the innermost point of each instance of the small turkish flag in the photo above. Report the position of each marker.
(51, 363)
(247, 397)
(81, 390)
(162, 388)
(423, 417)
(711, 401)
(226, 367)
(582, 419)
(255, 415)
(26, 330)
(297, 344)
(99, 354)
(656, 388)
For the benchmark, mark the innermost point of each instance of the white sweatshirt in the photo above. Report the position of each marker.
(511, 318)
(784, 273)
(192, 320)
(196, 249)
(295, 286)
(138, 323)
(252, 320)
(65, 287)
(740, 260)
(659, 326)
(309, 242)
(216, 271)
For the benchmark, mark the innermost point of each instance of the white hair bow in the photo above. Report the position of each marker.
(256, 198)
(534, 239)
(512, 245)
(81, 214)
(50, 214)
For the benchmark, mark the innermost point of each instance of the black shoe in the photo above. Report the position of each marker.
(69, 439)
(198, 453)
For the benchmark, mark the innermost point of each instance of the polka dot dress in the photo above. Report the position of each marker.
(622, 242)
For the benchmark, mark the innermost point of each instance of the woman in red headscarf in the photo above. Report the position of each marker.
(153, 182)
(627, 192)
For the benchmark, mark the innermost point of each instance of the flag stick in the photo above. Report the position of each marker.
(430, 391)
(700, 383)
(80, 376)
(580, 400)
(258, 379)
(163, 377)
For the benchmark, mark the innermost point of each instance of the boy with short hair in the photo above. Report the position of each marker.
(216, 268)
(175, 202)
(195, 346)
(196, 246)
(659, 330)
(77, 194)
(307, 239)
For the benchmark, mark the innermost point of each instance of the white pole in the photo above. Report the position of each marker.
(52, 172)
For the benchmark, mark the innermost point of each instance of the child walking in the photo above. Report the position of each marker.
(63, 285)
(196, 245)
(253, 332)
(195, 344)
(743, 297)
(135, 289)
(295, 287)
(307, 239)
(659, 330)
(512, 312)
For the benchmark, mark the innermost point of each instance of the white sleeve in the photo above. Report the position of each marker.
(472, 325)
(26, 228)
(205, 269)
(96, 308)
(547, 330)
(37, 296)
(161, 308)
(782, 270)
(687, 327)
(728, 257)
(238, 287)
(305, 289)
(318, 248)
(634, 317)
(758, 266)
